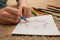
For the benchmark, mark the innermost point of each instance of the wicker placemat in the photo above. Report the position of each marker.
(5, 34)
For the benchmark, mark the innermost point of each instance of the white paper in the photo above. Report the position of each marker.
(40, 25)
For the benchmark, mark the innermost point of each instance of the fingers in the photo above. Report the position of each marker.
(1, 22)
(8, 17)
(27, 12)
(12, 10)
(8, 20)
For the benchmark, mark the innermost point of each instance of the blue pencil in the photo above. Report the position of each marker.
(2, 4)
(23, 18)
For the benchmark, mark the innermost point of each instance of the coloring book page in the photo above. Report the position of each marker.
(40, 25)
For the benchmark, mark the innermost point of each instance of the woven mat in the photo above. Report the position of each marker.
(5, 34)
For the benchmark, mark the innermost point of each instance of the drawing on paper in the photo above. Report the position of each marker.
(36, 23)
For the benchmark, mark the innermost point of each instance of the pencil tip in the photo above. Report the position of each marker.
(27, 21)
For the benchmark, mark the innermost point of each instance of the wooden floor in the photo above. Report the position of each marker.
(5, 30)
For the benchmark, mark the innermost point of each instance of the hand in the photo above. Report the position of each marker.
(25, 10)
(9, 15)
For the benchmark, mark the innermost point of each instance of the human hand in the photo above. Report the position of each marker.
(9, 15)
(25, 10)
